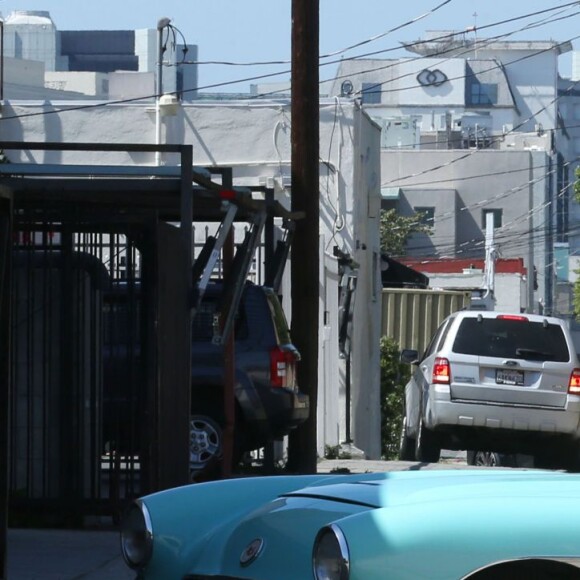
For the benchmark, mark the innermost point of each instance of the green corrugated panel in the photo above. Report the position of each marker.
(411, 316)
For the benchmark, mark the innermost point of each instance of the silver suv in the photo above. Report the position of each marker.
(495, 381)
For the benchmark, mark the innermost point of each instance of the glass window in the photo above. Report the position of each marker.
(371, 93)
(496, 215)
(280, 322)
(482, 93)
(427, 215)
(202, 327)
(515, 339)
(438, 338)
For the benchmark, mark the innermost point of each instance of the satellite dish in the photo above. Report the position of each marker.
(346, 88)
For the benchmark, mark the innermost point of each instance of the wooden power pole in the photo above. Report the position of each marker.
(305, 198)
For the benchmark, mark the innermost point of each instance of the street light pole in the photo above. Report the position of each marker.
(161, 25)
(1, 60)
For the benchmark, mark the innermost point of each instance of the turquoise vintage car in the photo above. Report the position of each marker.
(433, 524)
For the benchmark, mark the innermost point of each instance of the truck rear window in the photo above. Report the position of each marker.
(514, 339)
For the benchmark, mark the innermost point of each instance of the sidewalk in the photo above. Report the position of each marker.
(65, 555)
(95, 555)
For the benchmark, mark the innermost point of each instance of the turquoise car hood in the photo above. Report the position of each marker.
(402, 487)
(207, 529)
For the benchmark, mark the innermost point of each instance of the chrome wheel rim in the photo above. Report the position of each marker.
(205, 443)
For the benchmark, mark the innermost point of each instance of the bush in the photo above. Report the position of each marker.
(394, 376)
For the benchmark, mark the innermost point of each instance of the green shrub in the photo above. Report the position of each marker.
(394, 376)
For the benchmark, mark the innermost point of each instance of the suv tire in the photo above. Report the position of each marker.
(427, 448)
(484, 458)
(406, 444)
(206, 442)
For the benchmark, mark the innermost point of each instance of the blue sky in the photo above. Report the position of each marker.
(248, 31)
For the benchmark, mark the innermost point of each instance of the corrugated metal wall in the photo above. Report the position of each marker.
(411, 316)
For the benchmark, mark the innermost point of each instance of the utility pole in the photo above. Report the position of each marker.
(305, 133)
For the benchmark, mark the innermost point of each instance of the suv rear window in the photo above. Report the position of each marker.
(280, 322)
(202, 326)
(516, 339)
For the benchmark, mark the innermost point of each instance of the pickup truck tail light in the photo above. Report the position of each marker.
(441, 371)
(574, 384)
(283, 367)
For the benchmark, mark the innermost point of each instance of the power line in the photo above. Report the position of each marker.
(253, 78)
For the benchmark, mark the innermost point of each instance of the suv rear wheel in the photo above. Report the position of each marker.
(484, 458)
(407, 444)
(205, 443)
(426, 445)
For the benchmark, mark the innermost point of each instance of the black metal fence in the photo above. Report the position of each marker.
(75, 370)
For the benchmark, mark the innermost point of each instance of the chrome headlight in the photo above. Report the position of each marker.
(137, 536)
(330, 558)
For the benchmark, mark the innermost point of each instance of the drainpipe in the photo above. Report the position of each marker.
(161, 24)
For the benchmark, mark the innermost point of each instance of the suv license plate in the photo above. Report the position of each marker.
(509, 377)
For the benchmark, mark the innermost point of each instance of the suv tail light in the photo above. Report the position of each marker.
(574, 384)
(442, 371)
(283, 367)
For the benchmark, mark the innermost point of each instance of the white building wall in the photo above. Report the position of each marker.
(533, 76)
(87, 83)
(254, 139)
(510, 289)
(31, 35)
(130, 85)
(146, 48)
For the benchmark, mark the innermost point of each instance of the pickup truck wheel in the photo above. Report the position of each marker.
(427, 448)
(205, 443)
(406, 444)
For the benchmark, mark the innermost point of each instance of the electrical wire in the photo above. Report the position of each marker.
(246, 79)
(447, 36)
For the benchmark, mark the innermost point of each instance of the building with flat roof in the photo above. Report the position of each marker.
(31, 35)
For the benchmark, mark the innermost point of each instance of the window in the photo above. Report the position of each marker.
(496, 217)
(482, 93)
(371, 93)
(437, 341)
(512, 339)
(427, 215)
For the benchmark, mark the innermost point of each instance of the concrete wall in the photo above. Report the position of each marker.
(510, 290)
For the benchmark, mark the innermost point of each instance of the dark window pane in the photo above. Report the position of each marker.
(511, 339)
(371, 93)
